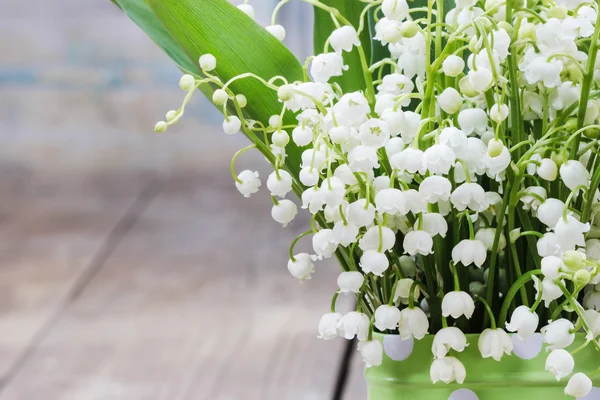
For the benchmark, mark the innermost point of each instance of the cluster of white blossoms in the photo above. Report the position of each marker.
(460, 186)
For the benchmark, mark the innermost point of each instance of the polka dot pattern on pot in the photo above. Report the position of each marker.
(463, 394)
(396, 348)
(527, 349)
(593, 395)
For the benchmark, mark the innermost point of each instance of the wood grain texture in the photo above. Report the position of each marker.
(49, 234)
(195, 303)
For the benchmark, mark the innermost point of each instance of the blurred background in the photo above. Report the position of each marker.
(131, 268)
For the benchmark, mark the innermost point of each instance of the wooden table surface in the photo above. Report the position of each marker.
(138, 287)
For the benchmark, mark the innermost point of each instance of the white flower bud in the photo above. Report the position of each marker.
(160, 126)
(328, 326)
(447, 370)
(324, 243)
(279, 186)
(386, 317)
(284, 212)
(494, 343)
(560, 363)
(481, 79)
(413, 322)
(473, 120)
(487, 236)
(498, 113)
(435, 224)
(276, 30)
(418, 242)
(558, 334)
(302, 136)
(371, 240)
(446, 339)
(219, 97)
(361, 213)
(275, 121)
(403, 290)
(207, 62)
(523, 321)
(339, 134)
(469, 252)
(354, 324)
(550, 211)
(350, 281)
(450, 100)
(280, 138)
(371, 353)
(453, 65)
(551, 266)
(325, 66)
(374, 262)
(285, 92)
(232, 125)
(409, 160)
(249, 182)
(456, 304)
(345, 233)
(580, 385)
(187, 82)
(309, 176)
(302, 267)
(343, 39)
(573, 174)
(247, 9)
(547, 170)
(395, 9)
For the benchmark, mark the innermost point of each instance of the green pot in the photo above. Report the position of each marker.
(404, 373)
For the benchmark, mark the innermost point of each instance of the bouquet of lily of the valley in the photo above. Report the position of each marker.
(447, 151)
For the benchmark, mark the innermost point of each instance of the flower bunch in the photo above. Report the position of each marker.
(458, 188)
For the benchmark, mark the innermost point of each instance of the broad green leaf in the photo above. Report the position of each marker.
(352, 80)
(240, 46)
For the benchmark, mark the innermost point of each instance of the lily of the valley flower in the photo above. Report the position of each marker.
(371, 352)
(413, 322)
(447, 339)
(328, 326)
(354, 324)
(456, 304)
(387, 317)
(558, 334)
(523, 321)
(447, 370)
(560, 363)
(495, 343)
(580, 385)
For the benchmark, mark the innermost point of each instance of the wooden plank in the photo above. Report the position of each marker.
(50, 229)
(196, 303)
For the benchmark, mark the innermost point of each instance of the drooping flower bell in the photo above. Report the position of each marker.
(579, 386)
(469, 252)
(413, 322)
(558, 334)
(328, 326)
(523, 321)
(354, 324)
(387, 317)
(447, 339)
(447, 370)
(495, 343)
(350, 281)
(249, 182)
(457, 304)
(560, 363)
(302, 266)
(371, 352)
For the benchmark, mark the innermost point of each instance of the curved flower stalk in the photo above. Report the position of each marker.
(466, 171)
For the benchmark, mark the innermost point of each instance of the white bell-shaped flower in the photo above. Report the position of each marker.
(447, 339)
(418, 242)
(469, 195)
(302, 136)
(309, 176)
(560, 363)
(410, 160)
(498, 113)
(453, 65)
(345, 233)
(371, 239)
(473, 120)
(340, 134)
(380, 183)
(334, 191)
(361, 213)
(469, 252)
(591, 299)
(450, 101)
(325, 66)
(394, 146)
(363, 159)
(279, 185)
(343, 39)
(447, 370)
(276, 30)
(531, 201)
(313, 199)
(302, 267)
(247, 9)
(548, 245)
(573, 173)
(391, 201)
(207, 62)
(592, 317)
(435, 188)
(570, 232)
(350, 281)
(497, 158)
(551, 266)
(547, 170)
(232, 125)
(249, 182)
(523, 321)
(388, 31)
(371, 353)
(324, 243)
(487, 236)
(438, 159)
(352, 109)
(550, 211)
(579, 386)
(455, 139)
(413, 322)
(456, 304)
(284, 212)
(354, 324)
(395, 120)
(550, 291)
(495, 343)
(558, 334)
(374, 133)
(387, 317)
(410, 127)
(435, 224)
(395, 9)
(480, 79)
(328, 326)
(403, 291)
(374, 262)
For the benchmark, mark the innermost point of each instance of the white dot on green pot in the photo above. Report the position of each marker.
(529, 348)
(593, 395)
(396, 348)
(463, 394)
